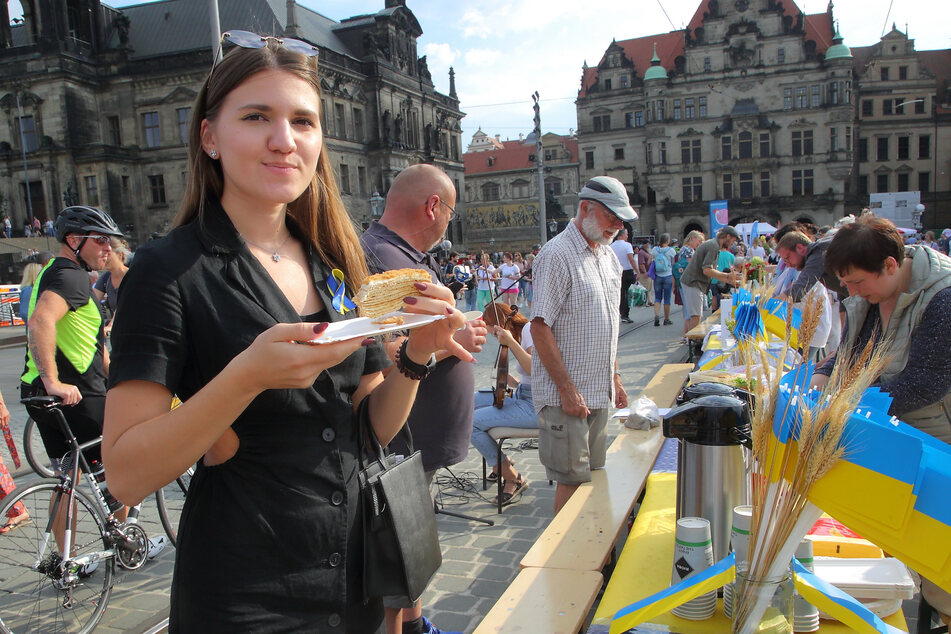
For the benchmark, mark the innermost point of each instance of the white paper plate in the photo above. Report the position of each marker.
(365, 327)
(883, 578)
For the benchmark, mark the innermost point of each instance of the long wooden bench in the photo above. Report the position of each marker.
(560, 575)
(544, 600)
(582, 534)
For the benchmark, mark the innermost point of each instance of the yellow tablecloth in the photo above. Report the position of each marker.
(647, 559)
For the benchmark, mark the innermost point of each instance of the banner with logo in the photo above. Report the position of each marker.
(719, 216)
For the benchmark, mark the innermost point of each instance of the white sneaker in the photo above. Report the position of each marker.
(156, 546)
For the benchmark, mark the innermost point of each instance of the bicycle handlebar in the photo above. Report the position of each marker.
(42, 401)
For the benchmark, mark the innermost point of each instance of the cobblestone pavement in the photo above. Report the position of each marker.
(479, 561)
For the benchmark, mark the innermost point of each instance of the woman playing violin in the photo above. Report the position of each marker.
(518, 411)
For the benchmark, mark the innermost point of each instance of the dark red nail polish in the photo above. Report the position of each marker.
(367, 342)
(319, 328)
(409, 300)
(420, 286)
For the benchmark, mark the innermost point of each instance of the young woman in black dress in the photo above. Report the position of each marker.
(270, 536)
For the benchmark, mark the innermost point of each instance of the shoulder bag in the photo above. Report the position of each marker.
(401, 543)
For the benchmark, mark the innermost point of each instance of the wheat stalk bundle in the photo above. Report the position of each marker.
(783, 471)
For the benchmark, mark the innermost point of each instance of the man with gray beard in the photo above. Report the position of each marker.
(575, 324)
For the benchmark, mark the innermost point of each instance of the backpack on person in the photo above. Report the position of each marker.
(662, 261)
(680, 265)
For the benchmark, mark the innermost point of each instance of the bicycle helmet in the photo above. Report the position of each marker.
(85, 220)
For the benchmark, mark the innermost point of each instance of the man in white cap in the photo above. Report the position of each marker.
(575, 323)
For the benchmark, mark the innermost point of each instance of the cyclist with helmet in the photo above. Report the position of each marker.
(66, 354)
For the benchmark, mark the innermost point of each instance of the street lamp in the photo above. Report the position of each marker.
(376, 205)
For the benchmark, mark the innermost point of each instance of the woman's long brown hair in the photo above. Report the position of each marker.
(318, 212)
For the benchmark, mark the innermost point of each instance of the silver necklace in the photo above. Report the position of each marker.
(275, 255)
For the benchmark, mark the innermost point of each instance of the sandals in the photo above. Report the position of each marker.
(15, 523)
(493, 477)
(510, 498)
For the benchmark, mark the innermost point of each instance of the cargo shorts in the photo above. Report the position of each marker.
(570, 447)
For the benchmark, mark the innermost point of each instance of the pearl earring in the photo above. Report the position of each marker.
(213, 154)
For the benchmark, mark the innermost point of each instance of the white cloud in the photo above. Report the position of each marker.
(439, 54)
(482, 57)
(474, 23)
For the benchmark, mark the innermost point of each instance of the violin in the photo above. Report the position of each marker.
(502, 360)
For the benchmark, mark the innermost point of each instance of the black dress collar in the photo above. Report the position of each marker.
(219, 238)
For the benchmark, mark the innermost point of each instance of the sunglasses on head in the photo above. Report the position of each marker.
(247, 39)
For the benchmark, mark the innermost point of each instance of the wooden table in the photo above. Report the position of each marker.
(644, 567)
(698, 333)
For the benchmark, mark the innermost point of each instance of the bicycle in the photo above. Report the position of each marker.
(168, 500)
(64, 584)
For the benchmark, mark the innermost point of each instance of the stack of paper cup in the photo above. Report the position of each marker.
(693, 553)
(726, 310)
(806, 615)
(739, 544)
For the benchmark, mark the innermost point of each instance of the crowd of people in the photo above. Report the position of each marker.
(478, 279)
(213, 314)
(30, 228)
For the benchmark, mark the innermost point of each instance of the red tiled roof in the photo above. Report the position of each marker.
(640, 50)
(513, 156)
(697, 18)
(819, 29)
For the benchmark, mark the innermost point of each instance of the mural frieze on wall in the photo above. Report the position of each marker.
(502, 216)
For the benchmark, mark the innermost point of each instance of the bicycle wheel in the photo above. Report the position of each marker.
(170, 499)
(34, 598)
(35, 450)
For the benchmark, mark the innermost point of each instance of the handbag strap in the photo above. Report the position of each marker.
(366, 433)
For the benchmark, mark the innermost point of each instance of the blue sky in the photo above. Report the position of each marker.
(504, 50)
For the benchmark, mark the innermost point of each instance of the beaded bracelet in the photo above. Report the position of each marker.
(409, 368)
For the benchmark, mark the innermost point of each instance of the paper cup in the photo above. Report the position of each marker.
(739, 544)
(740, 532)
(693, 548)
(806, 615)
(693, 553)
(728, 600)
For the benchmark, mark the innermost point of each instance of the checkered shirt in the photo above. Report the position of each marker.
(576, 292)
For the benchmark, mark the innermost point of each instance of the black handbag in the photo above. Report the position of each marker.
(400, 540)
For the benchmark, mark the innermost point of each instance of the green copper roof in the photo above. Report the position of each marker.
(838, 50)
(656, 71)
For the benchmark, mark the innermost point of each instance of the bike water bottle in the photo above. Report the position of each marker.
(99, 473)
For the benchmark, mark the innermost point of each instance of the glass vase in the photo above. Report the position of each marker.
(762, 606)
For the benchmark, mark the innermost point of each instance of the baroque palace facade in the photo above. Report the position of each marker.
(501, 191)
(761, 105)
(97, 103)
